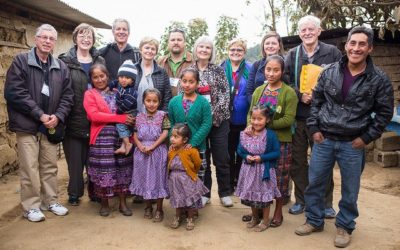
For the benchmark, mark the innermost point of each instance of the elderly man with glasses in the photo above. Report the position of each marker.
(39, 98)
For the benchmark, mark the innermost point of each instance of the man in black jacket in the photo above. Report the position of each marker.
(39, 97)
(120, 50)
(341, 124)
(310, 52)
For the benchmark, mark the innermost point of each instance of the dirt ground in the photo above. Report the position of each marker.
(378, 226)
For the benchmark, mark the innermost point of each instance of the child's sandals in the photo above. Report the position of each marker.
(262, 226)
(254, 222)
(148, 213)
(190, 224)
(176, 222)
(159, 216)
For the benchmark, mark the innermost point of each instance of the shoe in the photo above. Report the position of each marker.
(254, 222)
(159, 216)
(262, 226)
(175, 223)
(342, 238)
(73, 201)
(148, 213)
(104, 211)
(307, 229)
(126, 212)
(190, 224)
(330, 213)
(58, 209)
(226, 201)
(205, 200)
(296, 209)
(34, 215)
(276, 223)
(247, 217)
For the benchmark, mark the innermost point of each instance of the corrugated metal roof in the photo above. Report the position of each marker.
(62, 10)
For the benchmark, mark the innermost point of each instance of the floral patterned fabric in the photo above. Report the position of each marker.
(213, 83)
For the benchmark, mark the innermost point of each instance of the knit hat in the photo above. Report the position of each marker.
(128, 69)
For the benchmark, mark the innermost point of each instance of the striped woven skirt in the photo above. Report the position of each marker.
(110, 173)
(282, 171)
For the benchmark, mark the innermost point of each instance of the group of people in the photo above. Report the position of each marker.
(149, 128)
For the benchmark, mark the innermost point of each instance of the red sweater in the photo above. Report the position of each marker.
(98, 113)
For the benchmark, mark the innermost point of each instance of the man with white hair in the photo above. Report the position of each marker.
(39, 98)
(310, 52)
(120, 50)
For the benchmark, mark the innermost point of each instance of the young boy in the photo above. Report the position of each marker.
(126, 100)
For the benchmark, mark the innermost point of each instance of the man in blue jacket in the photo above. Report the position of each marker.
(341, 124)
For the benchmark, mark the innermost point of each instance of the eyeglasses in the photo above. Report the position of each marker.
(45, 38)
(236, 50)
(87, 37)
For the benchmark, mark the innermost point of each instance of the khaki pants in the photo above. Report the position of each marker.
(38, 170)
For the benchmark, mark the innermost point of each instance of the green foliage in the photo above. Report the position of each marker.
(164, 38)
(197, 27)
(349, 13)
(227, 29)
(254, 53)
(99, 41)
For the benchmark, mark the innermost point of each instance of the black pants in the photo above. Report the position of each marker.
(217, 146)
(299, 169)
(77, 156)
(235, 161)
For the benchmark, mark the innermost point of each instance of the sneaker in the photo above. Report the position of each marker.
(226, 201)
(296, 209)
(34, 215)
(205, 200)
(342, 238)
(58, 209)
(330, 213)
(307, 229)
(73, 201)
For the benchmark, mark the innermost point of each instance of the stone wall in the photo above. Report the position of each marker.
(387, 57)
(17, 35)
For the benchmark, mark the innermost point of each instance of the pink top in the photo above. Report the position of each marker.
(98, 113)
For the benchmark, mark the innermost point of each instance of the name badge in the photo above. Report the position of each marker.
(208, 98)
(45, 90)
(173, 81)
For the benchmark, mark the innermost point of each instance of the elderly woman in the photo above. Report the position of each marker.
(237, 71)
(110, 173)
(150, 75)
(271, 44)
(215, 88)
(281, 98)
(79, 59)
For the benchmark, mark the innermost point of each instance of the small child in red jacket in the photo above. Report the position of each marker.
(186, 189)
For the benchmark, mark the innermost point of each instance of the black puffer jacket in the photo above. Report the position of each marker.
(347, 119)
(77, 122)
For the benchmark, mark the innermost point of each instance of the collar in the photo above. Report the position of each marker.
(53, 64)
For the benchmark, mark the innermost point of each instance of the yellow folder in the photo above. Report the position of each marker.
(309, 77)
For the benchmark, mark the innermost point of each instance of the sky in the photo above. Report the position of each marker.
(151, 17)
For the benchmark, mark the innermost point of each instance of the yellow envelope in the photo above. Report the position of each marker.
(309, 77)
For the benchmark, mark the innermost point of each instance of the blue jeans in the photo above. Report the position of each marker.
(351, 163)
(123, 130)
